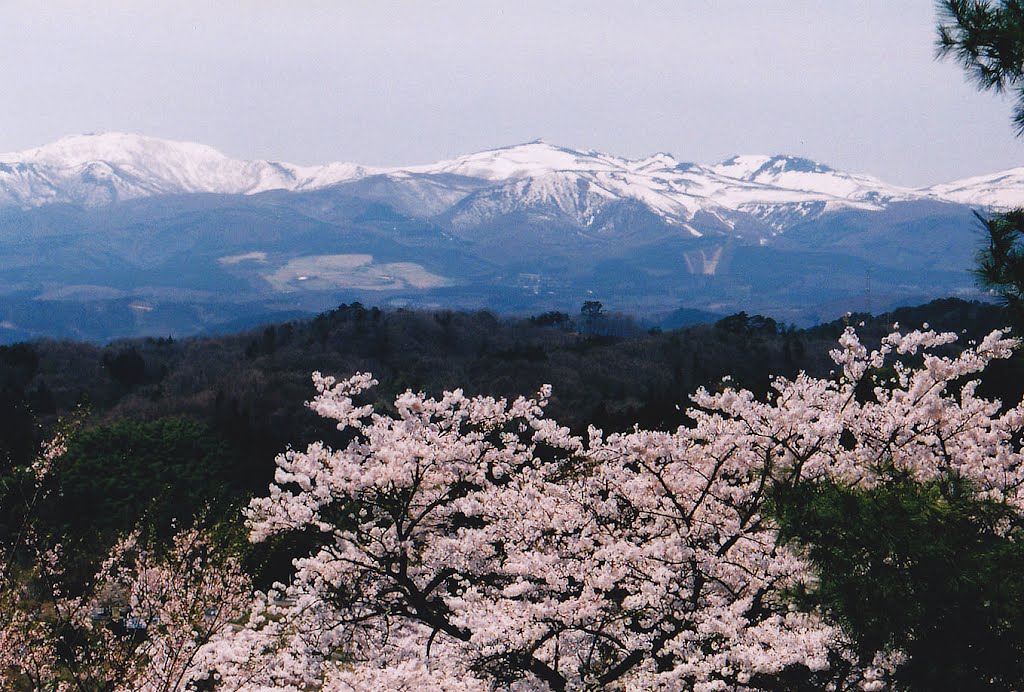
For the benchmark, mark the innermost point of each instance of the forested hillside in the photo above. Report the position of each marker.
(156, 436)
(250, 387)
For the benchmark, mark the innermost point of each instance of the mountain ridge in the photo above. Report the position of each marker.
(97, 169)
(112, 235)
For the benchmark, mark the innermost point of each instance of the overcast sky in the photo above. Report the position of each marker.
(852, 83)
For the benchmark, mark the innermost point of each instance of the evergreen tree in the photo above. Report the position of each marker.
(1001, 263)
(987, 38)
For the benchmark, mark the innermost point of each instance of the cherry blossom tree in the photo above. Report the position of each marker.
(467, 541)
(462, 543)
(143, 623)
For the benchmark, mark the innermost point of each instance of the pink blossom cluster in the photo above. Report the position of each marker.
(471, 541)
(146, 622)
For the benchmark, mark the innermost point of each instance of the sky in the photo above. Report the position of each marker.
(850, 83)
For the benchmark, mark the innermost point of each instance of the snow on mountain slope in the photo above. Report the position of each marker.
(519, 161)
(103, 168)
(584, 182)
(800, 174)
(117, 148)
(553, 195)
(538, 173)
(548, 181)
(1003, 190)
(315, 177)
(535, 178)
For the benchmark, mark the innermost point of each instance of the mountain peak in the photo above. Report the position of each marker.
(117, 148)
(752, 166)
(96, 169)
(804, 175)
(781, 163)
(529, 159)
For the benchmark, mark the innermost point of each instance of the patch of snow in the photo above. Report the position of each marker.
(256, 256)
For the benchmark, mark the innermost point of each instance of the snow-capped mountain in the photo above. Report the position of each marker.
(105, 235)
(582, 184)
(800, 174)
(100, 169)
(999, 190)
(537, 179)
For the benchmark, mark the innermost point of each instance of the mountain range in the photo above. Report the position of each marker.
(117, 234)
